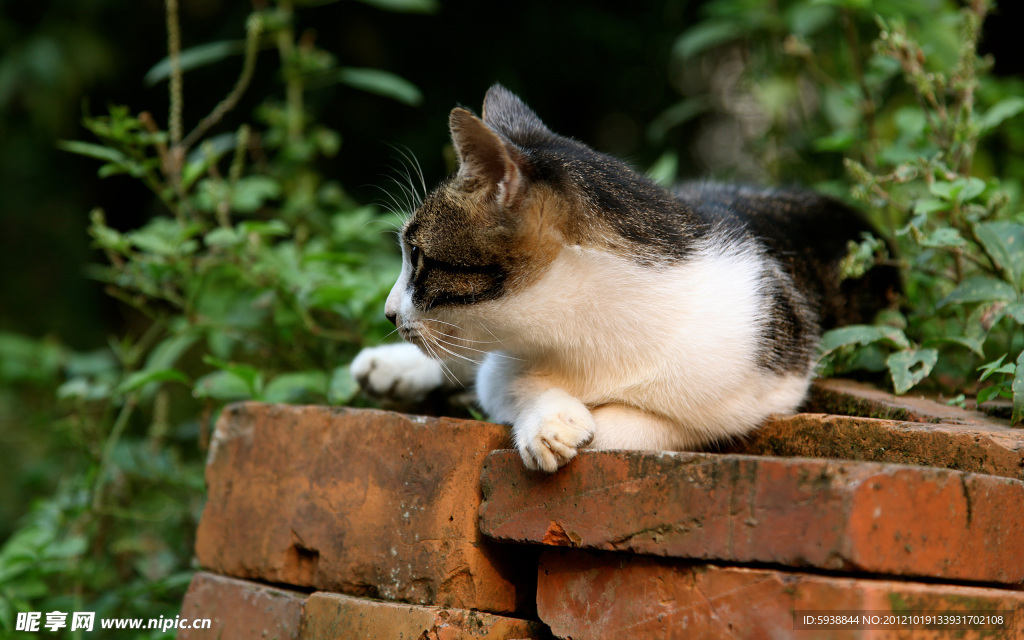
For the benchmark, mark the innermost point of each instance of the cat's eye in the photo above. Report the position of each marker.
(415, 256)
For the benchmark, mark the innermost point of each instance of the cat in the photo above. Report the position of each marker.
(598, 309)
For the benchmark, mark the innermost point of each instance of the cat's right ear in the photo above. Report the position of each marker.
(485, 157)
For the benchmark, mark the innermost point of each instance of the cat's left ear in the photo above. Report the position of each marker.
(486, 157)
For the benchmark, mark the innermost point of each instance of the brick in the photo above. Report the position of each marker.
(586, 596)
(850, 398)
(240, 610)
(337, 617)
(979, 448)
(369, 503)
(846, 516)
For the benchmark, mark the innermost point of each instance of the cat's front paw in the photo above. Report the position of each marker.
(399, 374)
(549, 433)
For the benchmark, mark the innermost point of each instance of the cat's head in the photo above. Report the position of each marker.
(523, 197)
(485, 233)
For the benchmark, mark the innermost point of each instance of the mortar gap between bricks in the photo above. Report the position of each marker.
(781, 568)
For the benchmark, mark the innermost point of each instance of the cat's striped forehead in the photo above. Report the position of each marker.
(463, 249)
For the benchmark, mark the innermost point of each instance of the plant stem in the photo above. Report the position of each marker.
(108, 448)
(174, 55)
(293, 82)
(254, 28)
(867, 104)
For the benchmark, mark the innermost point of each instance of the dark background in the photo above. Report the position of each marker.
(597, 71)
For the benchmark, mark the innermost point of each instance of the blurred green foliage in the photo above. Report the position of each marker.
(258, 281)
(889, 103)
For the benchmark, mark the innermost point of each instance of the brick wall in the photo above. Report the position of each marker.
(339, 523)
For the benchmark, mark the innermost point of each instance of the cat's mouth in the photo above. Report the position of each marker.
(419, 331)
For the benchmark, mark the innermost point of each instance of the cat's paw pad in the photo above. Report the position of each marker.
(398, 373)
(550, 436)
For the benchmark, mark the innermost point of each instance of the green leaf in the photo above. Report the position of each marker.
(166, 354)
(961, 189)
(250, 192)
(805, 19)
(1018, 392)
(382, 83)
(269, 228)
(342, 387)
(943, 237)
(1000, 111)
(97, 151)
(221, 385)
(970, 188)
(910, 366)
(296, 387)
(405, 6)
(945, 190)
(979, 289)
(250, 376)
(194, 57)
(987, 393)
(836, 141)
(682, 111)
(989, 368)
(23, 359)
(1016, 311)
(664, 169)
(861, 334)
(704, 36)
(1004, 242)
(976, 345)
(140, 379)
(930, 205)
(82, 388)
(221, 237)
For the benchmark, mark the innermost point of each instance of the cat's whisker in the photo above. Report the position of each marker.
(497, 354)
(392, 205)
(453, 337)
(412, 164)
(459, 346)
(444, 368)
(437, 343)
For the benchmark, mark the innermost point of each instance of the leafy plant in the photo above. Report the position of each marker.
(258, 280)
(928, 139)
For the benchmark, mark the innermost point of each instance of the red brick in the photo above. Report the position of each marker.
(849, 516)
(979, 448)
(586, 596)
(368, 503)
(846, 397)
(240, 610)
(335, 617)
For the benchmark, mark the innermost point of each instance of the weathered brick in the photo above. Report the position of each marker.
(585, 595)
(979, 448)
(362, 502)
(336, 617)
(849, 516)
(240, 610)
(850, 398)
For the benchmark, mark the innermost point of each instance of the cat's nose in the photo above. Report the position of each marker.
(392, 317)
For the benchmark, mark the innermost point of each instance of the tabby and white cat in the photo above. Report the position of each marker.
(604, 310)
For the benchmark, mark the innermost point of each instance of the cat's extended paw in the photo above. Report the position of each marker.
(397, 373)
(549, 434)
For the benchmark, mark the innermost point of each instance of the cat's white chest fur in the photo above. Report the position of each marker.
(662, 357)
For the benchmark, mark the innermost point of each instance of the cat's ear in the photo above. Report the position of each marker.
(505, 113)
(485, 157)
